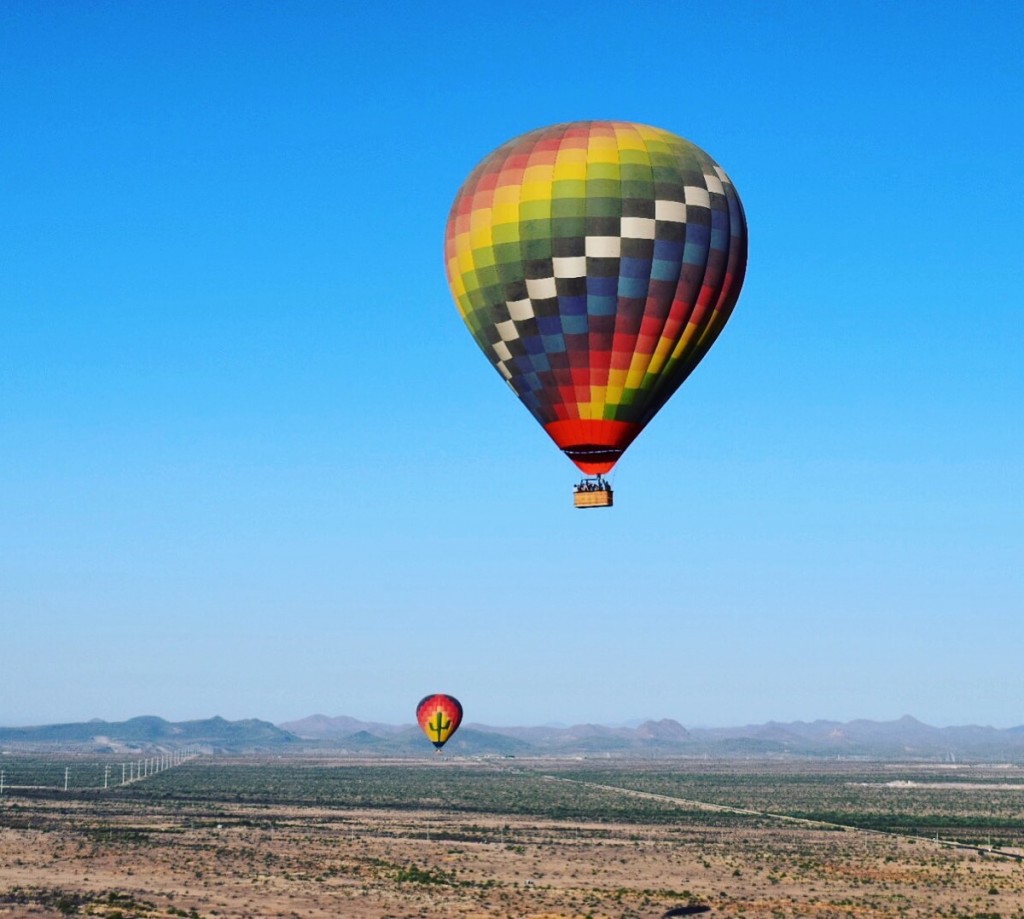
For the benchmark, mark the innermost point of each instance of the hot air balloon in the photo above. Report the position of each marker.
(439, 716)
(595, 263)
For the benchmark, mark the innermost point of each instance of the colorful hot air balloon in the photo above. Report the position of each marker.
(439, 716)
(595, 263)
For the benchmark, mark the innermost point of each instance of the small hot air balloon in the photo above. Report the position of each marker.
(595, 263)
(439, 716)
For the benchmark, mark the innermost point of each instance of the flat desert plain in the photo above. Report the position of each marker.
(307, 838)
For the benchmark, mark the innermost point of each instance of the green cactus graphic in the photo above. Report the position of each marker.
(439, 726)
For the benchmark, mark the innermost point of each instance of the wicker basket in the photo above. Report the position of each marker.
(597, 498)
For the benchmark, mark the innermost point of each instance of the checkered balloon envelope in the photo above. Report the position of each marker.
(595, 263)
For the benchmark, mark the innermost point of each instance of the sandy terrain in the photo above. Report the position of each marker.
(137, 859)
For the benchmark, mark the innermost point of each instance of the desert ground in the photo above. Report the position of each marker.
(533, 840)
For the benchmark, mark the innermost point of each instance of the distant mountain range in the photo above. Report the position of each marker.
(905, 739)
(148, 733)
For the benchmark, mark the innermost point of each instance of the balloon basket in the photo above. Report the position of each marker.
(592, 493)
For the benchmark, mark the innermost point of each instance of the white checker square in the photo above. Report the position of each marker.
(520, 309)
(670, 210)
(541, 288)
(501, 349)
(637, 227)
(714, 184)
(507, 330)
(574, 267)
(697, 197)
(603, 247)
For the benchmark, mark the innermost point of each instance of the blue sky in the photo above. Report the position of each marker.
(253, 465)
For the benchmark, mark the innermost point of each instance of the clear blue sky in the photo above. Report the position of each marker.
(253, 465)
